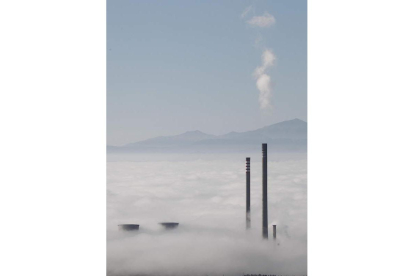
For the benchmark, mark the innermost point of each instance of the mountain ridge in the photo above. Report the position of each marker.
(289, 132)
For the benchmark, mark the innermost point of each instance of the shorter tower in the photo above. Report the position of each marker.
(247, 192)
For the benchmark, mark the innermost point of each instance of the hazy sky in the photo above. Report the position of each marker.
(213, 66)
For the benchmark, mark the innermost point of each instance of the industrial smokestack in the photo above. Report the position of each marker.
(247, 192)
(264, 194)
(274, 231)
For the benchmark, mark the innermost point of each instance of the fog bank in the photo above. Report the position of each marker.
(206, 195)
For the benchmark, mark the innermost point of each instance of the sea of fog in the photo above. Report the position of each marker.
(206, 194)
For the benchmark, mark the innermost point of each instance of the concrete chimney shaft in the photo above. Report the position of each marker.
(247, 192)
(264, 194)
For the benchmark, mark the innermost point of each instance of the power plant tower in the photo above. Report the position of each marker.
(274, 231)
(264, 194)
(247, 192)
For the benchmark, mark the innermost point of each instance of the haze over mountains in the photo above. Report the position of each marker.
(284, 136)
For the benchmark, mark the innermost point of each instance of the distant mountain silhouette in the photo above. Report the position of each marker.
(176, 140)
(292, 129)
(286, 135)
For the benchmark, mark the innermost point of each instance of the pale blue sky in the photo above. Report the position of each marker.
(176, 66)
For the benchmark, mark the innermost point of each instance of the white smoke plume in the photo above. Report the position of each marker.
(246, 11)
(263, 21)
(263, 82)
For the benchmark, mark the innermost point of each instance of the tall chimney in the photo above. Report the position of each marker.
(247, 192)
(274, 231)
(264, 198)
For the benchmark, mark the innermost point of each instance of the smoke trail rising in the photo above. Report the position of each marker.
(263, 21)
(263, 81)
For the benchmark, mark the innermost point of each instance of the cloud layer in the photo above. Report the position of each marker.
(207, 198)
